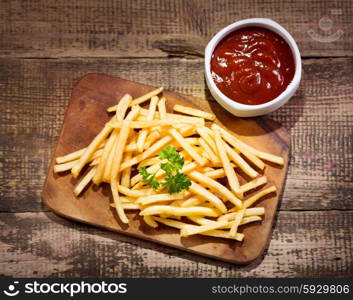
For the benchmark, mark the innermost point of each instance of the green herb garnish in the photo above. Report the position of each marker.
(148, 178)
(172, 163)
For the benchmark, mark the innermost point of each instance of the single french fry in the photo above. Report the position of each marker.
(203, 221)
(147, 200)
(206, 169)
(74, 155)
(230, 173)
(126, 174)
(84, 159)
(179, 211)
(222, 234)
(192, 141)
(127, 205)
(186, 119)
(130, 206)
(237, 220)
(194, 112)
(147, 96)
(247, 220)
(122, 107)
(162, 109)
(253, 199)
(181, 140)
(118, 205)
(254, 211)
(171, 223)
(253, 184)
(215, 174)
(144, 132)
(125, 199)
(188, 167)
(215, 185)
(134, 193)
(186, 130)
(139, 100)
(70, 157)
(169, 217)
(202, 192)
(64, 167)
(149, 220)
(83, 183)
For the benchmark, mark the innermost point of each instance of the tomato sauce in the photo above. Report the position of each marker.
(252, 65)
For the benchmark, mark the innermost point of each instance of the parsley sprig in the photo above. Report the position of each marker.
(172, 163)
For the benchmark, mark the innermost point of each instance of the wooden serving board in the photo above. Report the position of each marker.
(84, 118)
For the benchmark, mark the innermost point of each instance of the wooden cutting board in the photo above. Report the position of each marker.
(84, 118)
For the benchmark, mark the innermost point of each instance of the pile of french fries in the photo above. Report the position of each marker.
(133, 138)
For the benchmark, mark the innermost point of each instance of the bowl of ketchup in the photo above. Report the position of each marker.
(252, 67)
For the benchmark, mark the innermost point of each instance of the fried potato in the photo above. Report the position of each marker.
(194, 112)
(133, 139)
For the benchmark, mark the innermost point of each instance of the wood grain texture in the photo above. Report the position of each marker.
(59, 28)
(86, 112)
(34, 94)
(303, 244)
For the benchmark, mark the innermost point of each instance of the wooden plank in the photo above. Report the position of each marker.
(59, 28)
(304, 244)
(34, 94)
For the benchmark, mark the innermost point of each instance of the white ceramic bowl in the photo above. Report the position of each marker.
(243, 110)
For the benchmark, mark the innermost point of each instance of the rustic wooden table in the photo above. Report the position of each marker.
(45, 46)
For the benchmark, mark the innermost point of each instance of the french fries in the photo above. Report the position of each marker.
(230, 173)
(134, 138)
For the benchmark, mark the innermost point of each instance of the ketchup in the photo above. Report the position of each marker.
(252, 65)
